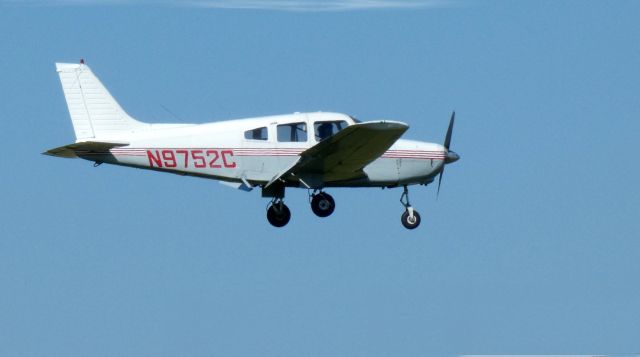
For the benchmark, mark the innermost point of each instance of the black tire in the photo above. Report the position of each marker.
(409, 223)
(323, 204)
(278, 217)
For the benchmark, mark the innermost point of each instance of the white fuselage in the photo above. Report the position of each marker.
(255, 150)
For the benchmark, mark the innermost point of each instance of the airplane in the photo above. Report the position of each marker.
(305, 150)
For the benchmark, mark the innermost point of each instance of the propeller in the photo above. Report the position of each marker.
(450, 156)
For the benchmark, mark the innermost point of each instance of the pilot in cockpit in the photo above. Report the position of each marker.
(325, 130)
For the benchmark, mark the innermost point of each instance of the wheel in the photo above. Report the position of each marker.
(410, 222)
(323, 204)
(278, 215)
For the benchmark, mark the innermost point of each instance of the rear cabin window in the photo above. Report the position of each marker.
(257, 134)
(325, 129)
(294, 132)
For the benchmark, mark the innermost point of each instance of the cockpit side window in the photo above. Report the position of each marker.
(257, 134)
(325, 129)
(294, 132)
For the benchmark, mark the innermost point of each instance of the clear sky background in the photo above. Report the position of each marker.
(533, 246)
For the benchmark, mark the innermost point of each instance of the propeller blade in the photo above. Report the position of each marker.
(450, 156)
(439, 182)
(447, 139)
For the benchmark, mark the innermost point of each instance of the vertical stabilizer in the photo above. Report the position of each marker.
(94, 113)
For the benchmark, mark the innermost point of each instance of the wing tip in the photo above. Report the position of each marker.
(385, 125)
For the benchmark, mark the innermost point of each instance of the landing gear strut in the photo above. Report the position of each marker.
(410, 218)
(278, 214)
(322, 204)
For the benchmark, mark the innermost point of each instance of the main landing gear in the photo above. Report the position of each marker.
(322, 204)
(278, 214)
(410, 218)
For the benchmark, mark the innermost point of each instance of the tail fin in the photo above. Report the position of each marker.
(94, 112)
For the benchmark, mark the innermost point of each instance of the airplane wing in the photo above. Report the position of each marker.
(343, 155)
(69, 151)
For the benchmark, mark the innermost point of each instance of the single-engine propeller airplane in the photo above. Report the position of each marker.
(306, 150)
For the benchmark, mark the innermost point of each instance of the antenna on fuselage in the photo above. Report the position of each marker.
(170, 112)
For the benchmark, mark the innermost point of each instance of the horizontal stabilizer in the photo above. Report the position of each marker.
(69, 151)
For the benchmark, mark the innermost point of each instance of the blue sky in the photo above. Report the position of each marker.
(533, 246)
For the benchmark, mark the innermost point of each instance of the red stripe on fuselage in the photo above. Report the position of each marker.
(389, 154)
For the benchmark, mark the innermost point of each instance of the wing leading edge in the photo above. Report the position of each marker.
(342, 156)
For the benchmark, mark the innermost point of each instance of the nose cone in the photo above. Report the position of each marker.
(451, 157)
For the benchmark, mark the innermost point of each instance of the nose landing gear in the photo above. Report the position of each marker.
(278, 214)
(410, 218)
(322, 204)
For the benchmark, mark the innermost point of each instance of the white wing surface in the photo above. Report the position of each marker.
(342, 156)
